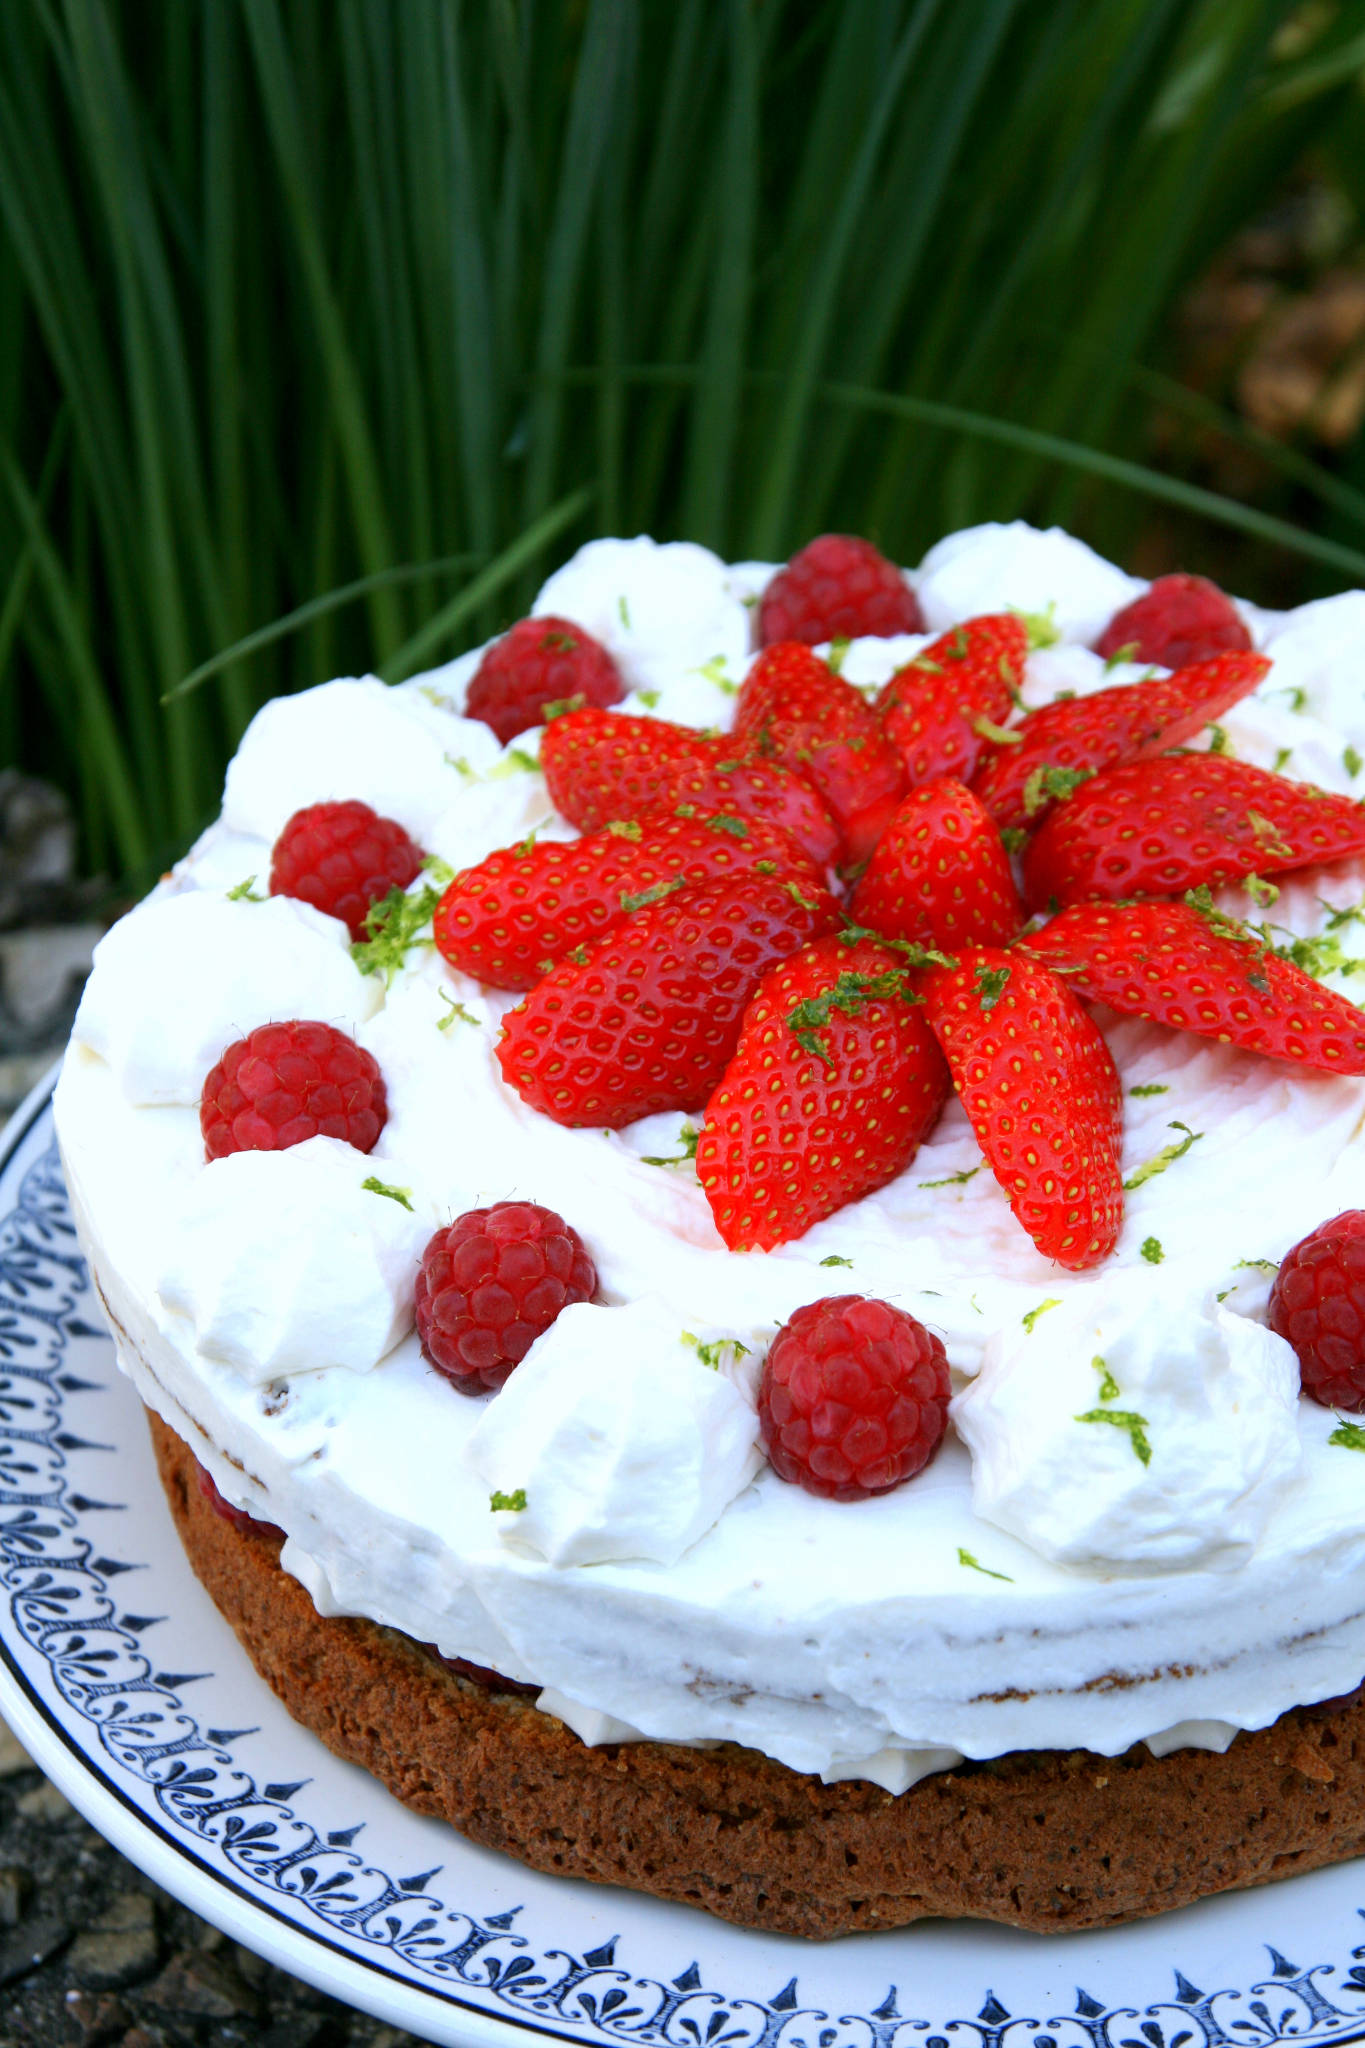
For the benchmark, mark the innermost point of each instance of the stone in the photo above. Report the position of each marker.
(92, 2017)
(13, 1756)
(203, 1987)
(44, 1803)
(119, 1947)
(30, 1945)
(37, 845)
(15, 1885)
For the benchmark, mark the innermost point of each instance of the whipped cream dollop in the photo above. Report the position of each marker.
(1141, 1423)
(183, 976)
(622, 1440)
(287, 1262)
(396, 750)
(659, 609)
(991, 568)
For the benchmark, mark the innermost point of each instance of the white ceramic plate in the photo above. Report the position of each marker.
(119, 1676)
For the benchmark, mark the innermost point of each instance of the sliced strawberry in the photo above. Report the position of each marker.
(512, 918)
(1198, 971)
(648, 1021)
(938, 709)
(1161, 827)
(834, 1083)
(795, 710)
(940, 875)
(601, 766)
(1063, 744)
(1041, 1092)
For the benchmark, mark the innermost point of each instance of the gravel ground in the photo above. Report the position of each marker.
(93, 1953)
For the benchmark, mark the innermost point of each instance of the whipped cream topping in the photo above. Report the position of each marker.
(992, 568)
(846, 1639)
(617, 1438)
(1135, 1424)
(659, 609)
(174, 984)
(288, 1262)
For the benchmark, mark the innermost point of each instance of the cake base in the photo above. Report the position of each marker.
(1047, 1840)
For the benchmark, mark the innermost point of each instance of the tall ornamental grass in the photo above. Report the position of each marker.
(326, 326)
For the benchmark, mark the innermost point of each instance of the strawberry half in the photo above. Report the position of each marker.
(1199, 971)
(1040, 1089)
(940, 875)
(795, 710)
(648, 1020)
(515, 915)
(601, 765)
(1164, 826)
(934, 709)
(1062, 744)
(834, 1083)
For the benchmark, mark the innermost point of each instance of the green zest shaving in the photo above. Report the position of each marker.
(850, 994)
(375, 1186)
(1128, 652)
(1151, 1088)
(953, 1180)
(1043, 630)
(965, 1557)
(990, 985)
(835, 1260)
(649, 698)
(987, 729)
(624, 828)
(1282, 754)
(1268, 836)
(640, 898)
(1167, 1156)
(1151, 1251)
(1350, 1436)
(516, 761)
(714, 672)
(838, 648)
(710, 1354)
(397, 923)
(1013, 838)
(687, 1138)
(1123, 1418)
(1257, 1265)
(559, 707)
(1028, 1320)
(910, 950)
(246, 892)
(1109, 1386)
(513, 1503)
(455, 1014)
(726, 821)
(623, 611)
(1057, 783)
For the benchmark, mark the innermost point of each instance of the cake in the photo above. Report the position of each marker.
(1047, 1680)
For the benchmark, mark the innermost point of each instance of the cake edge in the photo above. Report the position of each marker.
(1045, 1840)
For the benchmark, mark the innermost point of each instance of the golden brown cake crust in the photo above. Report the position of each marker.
(1048, 1840)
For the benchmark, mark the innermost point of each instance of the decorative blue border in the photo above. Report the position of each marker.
(56, 1586)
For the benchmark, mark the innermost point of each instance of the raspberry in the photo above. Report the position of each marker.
(541, 661)
(284, 1083)
(854, 1397)
(1318, 1306)
(341, 858)
(1180, 620)
(837, 587)
(238, 1517)
(490, 1283)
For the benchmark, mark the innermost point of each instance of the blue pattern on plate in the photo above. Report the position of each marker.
(55, 1581)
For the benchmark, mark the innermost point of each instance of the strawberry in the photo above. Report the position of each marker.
(795, 710)
(1063, 744)
(1160, 827)
(649, 1019)
(1039, 1087)
(833, 1085)
(934, 708)
(940, 875)
(515, 915)
(1196, 970)
(602, 765)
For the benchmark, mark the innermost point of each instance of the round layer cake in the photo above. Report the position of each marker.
(883, 1680)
